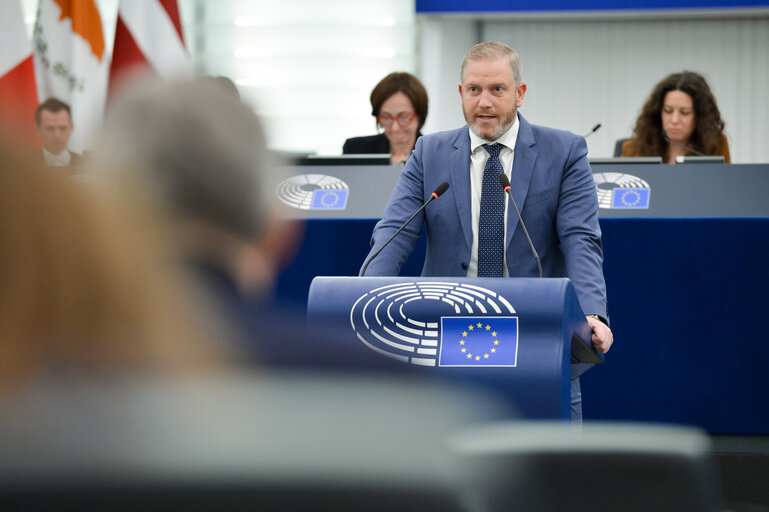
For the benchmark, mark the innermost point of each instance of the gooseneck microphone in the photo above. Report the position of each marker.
(438, 192)
(591, 132)
(506, 186)
(687, 148)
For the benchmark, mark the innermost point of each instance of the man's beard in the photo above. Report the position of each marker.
(505, 124)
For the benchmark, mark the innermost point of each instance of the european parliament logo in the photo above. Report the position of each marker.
(313, 192)
(630, 198)
(621, 191)
(407, 321)
(479, 341)
(329, 199)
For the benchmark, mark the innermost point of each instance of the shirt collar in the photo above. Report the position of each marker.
(62, 159)
(507, 139)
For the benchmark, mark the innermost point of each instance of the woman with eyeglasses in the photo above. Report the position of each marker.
(399, 104)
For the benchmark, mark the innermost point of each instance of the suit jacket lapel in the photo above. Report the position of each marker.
(459, 179)
(523, 167)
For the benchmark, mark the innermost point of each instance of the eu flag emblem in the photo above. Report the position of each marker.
(479, 341)
(630, 198)
(329, 199)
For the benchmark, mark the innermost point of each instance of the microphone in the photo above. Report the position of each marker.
(591, 132)
(687, 148)
(506, 186)
(438, 192)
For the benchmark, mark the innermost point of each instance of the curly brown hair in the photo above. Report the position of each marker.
(406, 83)
(647, 136)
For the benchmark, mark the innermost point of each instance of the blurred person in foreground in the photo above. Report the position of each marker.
(225, 83)
(204, 156)
(86, 292)
(399, 105)
(53, 122)
(681, 111)
(551, 181)
(112, 397)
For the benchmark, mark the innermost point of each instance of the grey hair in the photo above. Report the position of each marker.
(202, 149)
(491, 51)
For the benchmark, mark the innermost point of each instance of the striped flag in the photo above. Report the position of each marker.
(148, 39)
(18, 93)
(70, 63)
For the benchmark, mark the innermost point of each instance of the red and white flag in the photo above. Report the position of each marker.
(18, 93)
(148, 39)
(70, 63)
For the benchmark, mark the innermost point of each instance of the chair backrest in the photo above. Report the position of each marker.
(618, 147)
(299, 441)
(549, 467)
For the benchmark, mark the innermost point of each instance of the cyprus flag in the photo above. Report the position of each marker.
(71, 64)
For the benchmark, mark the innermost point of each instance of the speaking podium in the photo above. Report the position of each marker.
(526, 338)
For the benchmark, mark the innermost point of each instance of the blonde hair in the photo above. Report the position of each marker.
(84, 286)
(491, 51)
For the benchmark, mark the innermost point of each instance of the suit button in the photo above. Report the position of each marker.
(464, 266)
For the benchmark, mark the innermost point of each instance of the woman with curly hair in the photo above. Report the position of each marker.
(681, 111)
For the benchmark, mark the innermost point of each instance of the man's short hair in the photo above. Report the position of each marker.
(51, 105)
(491, 51)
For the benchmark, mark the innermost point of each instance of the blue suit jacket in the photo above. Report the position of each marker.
(552, 185)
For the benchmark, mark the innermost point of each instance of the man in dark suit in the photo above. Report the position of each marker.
(550, 178)
(53, 122)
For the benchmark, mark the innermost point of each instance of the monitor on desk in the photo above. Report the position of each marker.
(699, 159)
(627, 160)
(335, 160)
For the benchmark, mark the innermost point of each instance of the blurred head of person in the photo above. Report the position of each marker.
(203, 155)
(682, 106)
(85, 288)
(226, 84)
(399, 104)
(53, 122)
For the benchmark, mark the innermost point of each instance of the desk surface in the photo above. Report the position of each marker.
(624, 190)
(688, 190)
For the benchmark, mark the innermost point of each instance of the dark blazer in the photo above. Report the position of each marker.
(374, 144)
(551, 182)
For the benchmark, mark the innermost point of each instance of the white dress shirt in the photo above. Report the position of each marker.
(478, 157)
(63, 159)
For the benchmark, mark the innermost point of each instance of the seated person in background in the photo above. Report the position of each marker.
(399, 104)
(683, 108)
(53, 122)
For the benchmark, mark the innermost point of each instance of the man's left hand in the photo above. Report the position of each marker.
(602, 337)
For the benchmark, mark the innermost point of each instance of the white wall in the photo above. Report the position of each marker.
(307, 67)
(312, 68)
(586, 71)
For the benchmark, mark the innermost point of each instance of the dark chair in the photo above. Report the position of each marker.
(298, 441)
(552, 467)
(618, 147)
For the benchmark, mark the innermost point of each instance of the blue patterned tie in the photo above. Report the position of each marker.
(491, 227)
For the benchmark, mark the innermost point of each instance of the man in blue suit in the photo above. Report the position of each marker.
(550, 178)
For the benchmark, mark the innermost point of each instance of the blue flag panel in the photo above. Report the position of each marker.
(479, 341)
(329, 199)
(630, 198)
